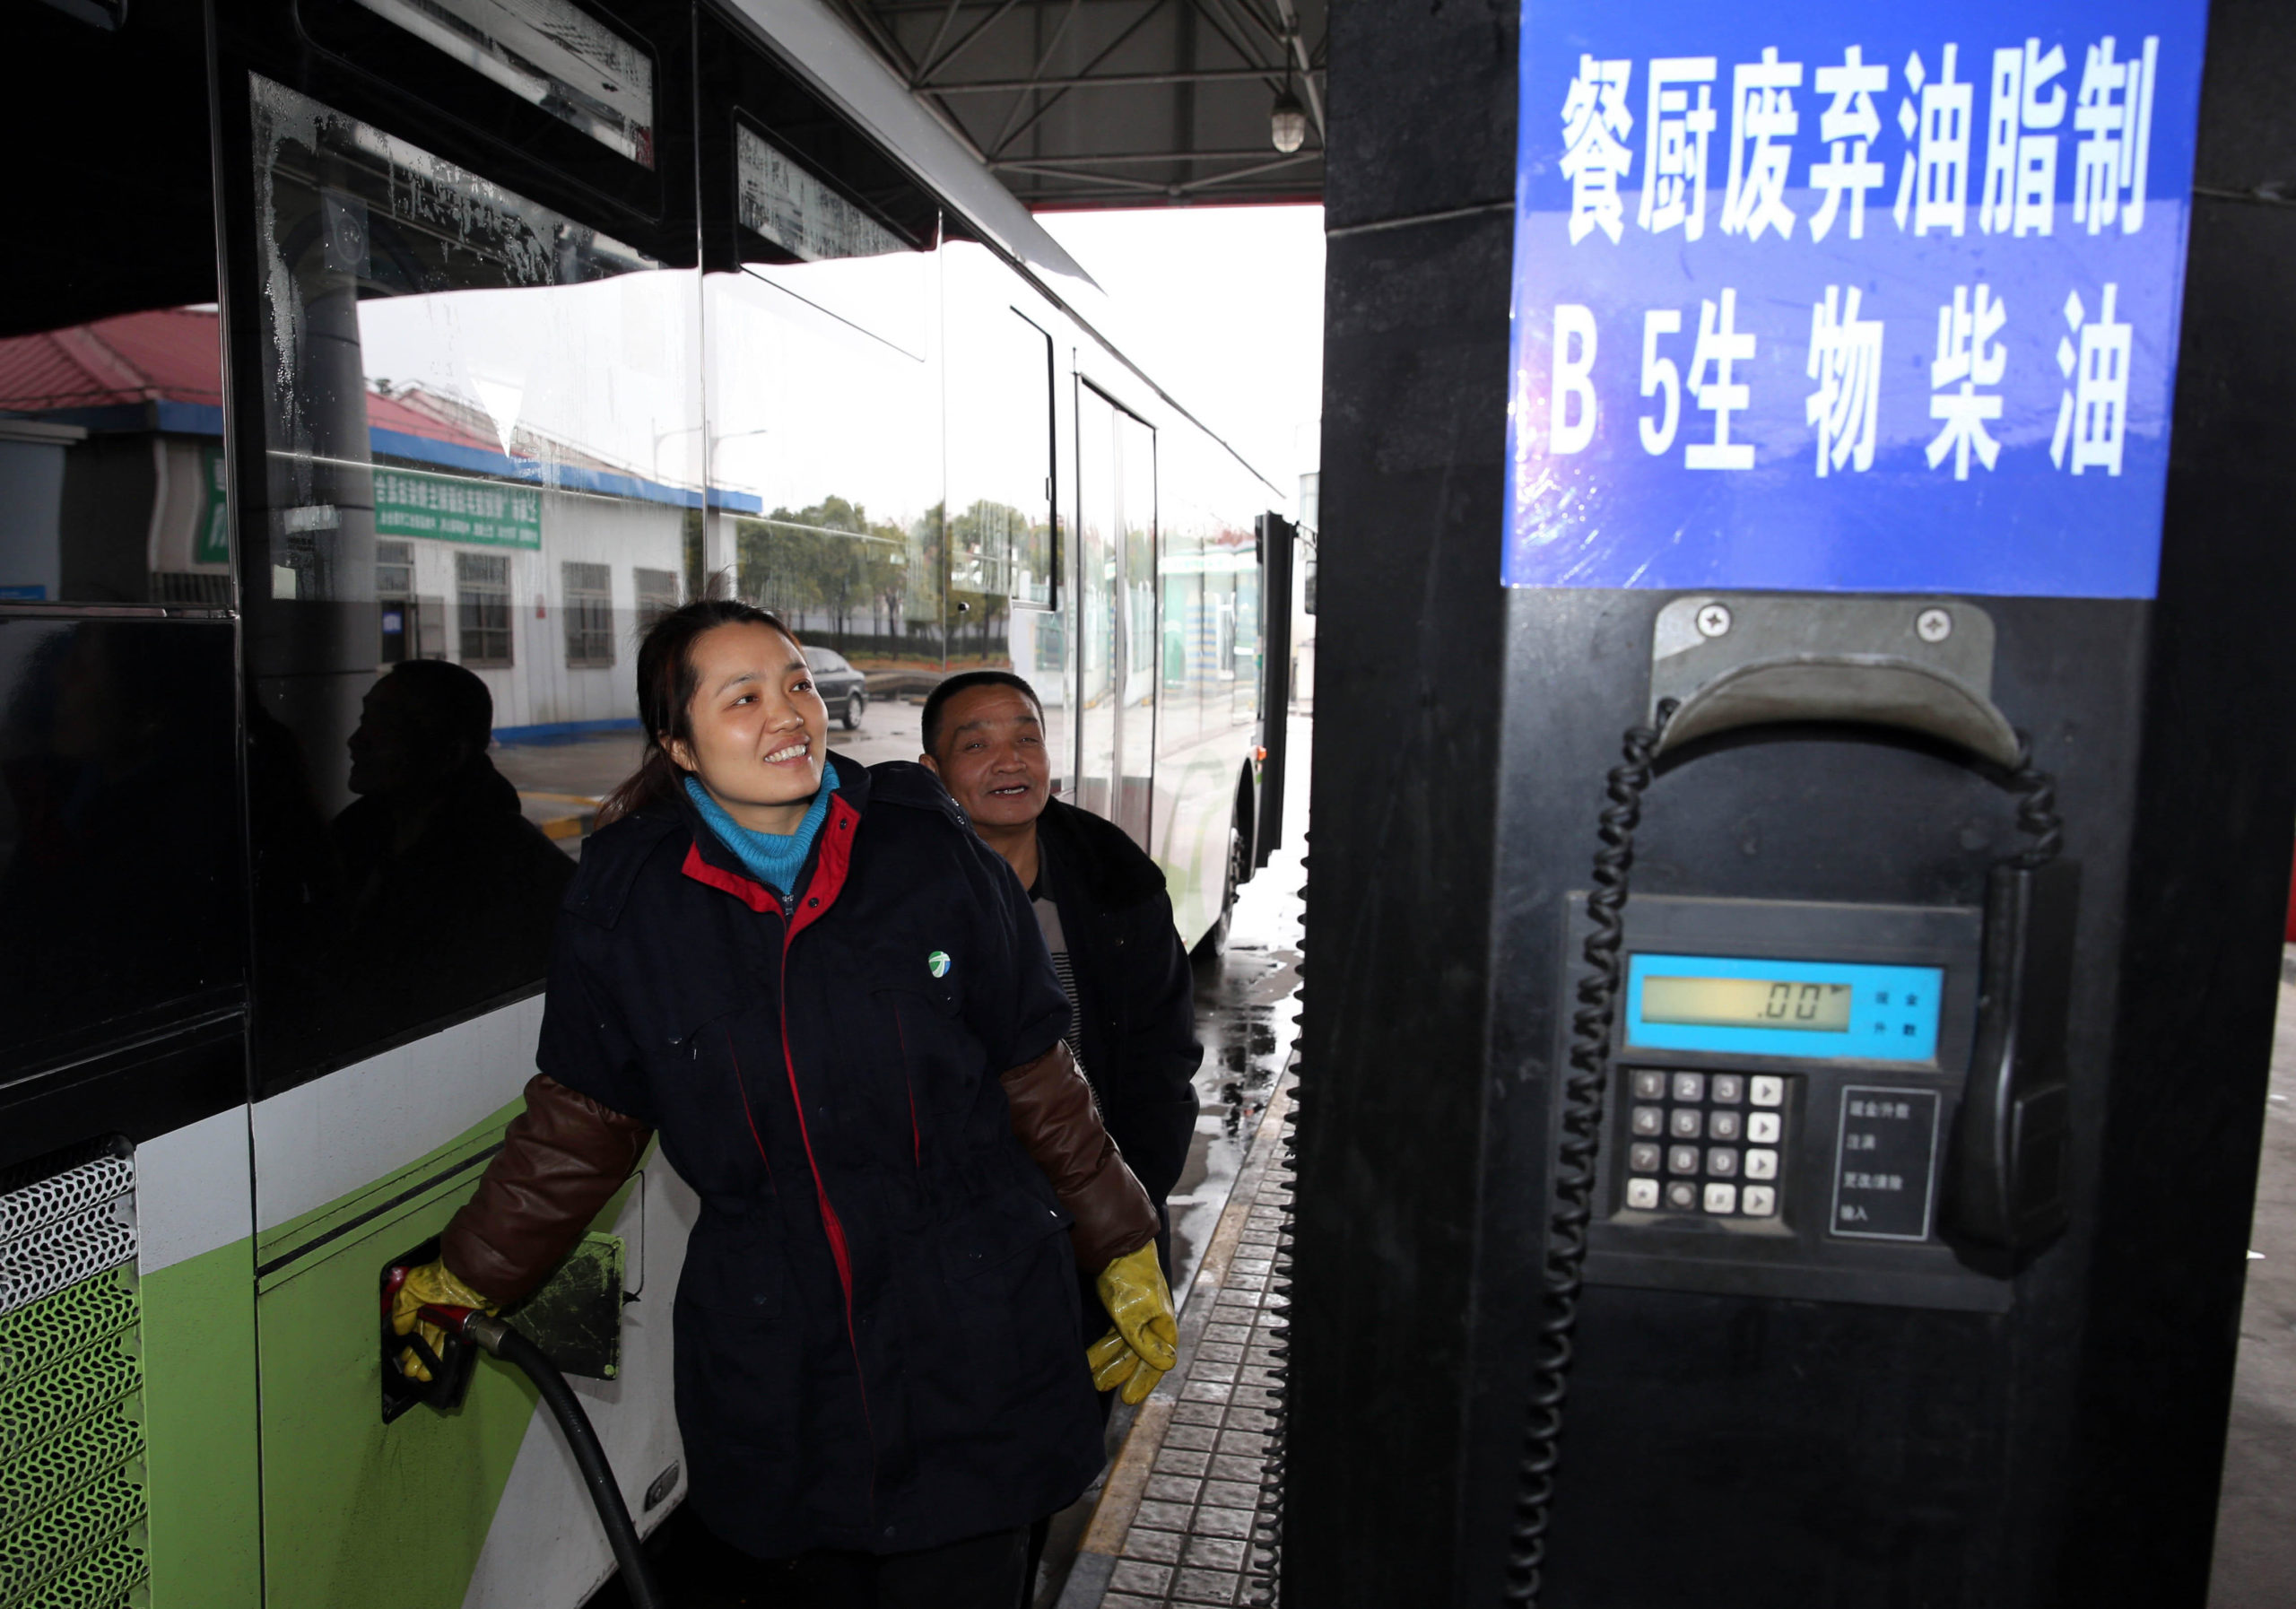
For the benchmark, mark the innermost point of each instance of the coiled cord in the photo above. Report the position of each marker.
(1267, 1517)
(1581, 1121)
(2035, 793)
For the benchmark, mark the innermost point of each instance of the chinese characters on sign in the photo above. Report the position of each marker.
(1883, 1162)
(1911, 281)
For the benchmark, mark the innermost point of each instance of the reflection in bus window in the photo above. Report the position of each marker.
(549, 53)
(483, 438)
(826, 455)
(112, 474)
(119, 822)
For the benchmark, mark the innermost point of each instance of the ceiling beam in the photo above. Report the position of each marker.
(1113, 81)
(1135, 158)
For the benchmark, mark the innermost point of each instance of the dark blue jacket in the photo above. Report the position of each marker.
(877, 1323)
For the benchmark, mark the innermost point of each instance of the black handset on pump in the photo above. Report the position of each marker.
(1679, 1211)
(2011, 1143)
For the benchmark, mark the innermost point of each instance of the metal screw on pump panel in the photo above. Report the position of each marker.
(1933, 625)
(1713, 619)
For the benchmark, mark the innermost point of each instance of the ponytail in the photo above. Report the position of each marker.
(667, 681)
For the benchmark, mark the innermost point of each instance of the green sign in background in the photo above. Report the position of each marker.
(409, 502)
(211, 543)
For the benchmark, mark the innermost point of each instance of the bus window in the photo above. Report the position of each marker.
(119, 887)
(825, 423)
(1119, 641)
(483, 446)
(549, 54)
(1004, 558)
(112, 476)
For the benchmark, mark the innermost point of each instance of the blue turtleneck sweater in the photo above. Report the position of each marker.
(774, 858)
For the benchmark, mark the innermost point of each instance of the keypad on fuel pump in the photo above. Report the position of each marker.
(1704, 1143)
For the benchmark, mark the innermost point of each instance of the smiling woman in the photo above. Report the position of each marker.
(792, 973)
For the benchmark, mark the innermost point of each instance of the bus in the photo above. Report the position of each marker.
(349, 337)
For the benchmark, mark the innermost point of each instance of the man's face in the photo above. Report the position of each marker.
(992, 758)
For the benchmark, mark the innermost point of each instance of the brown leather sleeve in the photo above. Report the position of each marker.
(1054, 1116)
(561, 1160)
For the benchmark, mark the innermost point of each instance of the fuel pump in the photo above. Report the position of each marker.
(1803, 1098)
(1806, 763)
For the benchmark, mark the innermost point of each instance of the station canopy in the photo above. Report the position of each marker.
(1119, 103)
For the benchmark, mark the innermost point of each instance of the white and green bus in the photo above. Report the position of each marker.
(343, 334)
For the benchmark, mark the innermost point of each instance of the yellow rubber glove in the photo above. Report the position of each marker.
(1145, 1341)
(429, 1285)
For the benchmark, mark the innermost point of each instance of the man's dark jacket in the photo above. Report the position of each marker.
(877, 1321)
(1135, 997)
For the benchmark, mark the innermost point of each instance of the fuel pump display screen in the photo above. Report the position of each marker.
(1747, 1003)
(1826, 1009)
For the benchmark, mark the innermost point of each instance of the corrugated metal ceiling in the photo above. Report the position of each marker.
(1100, 103)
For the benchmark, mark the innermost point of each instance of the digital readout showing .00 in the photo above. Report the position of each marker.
(1753, 1005)
(1747, 1003)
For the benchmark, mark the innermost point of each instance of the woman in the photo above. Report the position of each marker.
(832, 1002)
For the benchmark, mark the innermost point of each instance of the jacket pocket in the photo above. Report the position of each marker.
(922, 1061)
(993, 1233)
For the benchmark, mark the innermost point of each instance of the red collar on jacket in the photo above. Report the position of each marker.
(832, 857)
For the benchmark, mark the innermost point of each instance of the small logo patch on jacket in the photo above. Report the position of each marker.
(937, 963)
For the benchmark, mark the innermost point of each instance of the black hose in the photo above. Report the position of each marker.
(582, 1441)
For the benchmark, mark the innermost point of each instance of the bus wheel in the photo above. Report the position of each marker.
(1214, 944)
(855, 703)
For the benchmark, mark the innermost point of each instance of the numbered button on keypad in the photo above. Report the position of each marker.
(1692, 1137)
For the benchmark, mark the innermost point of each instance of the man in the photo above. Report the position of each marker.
(1101, 902)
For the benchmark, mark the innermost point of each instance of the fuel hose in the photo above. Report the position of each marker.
(506, 1344)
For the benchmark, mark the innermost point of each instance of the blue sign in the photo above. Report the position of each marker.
(1828, 296)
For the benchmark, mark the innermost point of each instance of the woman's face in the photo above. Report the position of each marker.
(760, 731)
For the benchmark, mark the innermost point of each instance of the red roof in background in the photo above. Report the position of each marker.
(175, 354)
(407, 411)
(172, 353)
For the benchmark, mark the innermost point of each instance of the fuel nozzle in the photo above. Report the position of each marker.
(449, 1365)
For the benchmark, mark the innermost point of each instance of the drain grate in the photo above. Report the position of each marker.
(69, 1321)
(65, 1252)
(72, 1498)
(27, 1205)
(97, 1445)
(104, 1579)
(64, 1533)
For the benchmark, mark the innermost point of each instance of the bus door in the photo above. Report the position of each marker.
(1116, 619)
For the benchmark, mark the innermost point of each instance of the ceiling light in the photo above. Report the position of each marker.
(1287, 122)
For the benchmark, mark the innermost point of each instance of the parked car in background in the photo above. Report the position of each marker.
(846, 690)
